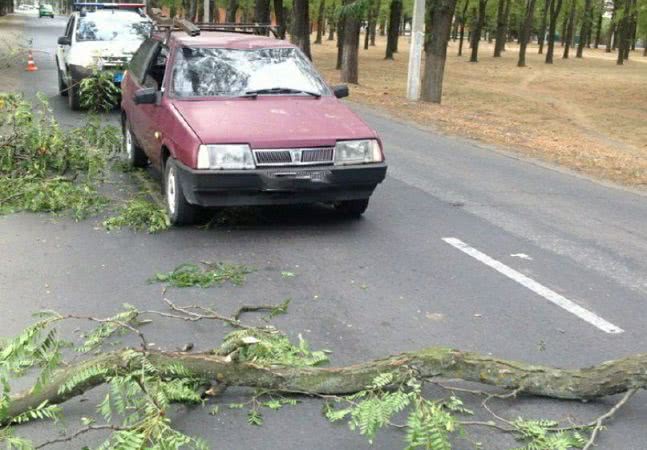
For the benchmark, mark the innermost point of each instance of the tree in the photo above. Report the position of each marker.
(463, 20)
(369, 22)
(300, 35)
(352, 13)
(585, 29)
(321, 22)
(555, 7)
(541, 36)
(570, 27)
(525, 32)
(598, 26)
(502, 28)
(262, 11)
(478, 28)
(144, 382)
(340, 40)
(395, 13)
(232, 9)
(279, 13)
(438, 21)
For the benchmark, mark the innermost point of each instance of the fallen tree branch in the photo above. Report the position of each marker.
(608, 378)
(597, 424)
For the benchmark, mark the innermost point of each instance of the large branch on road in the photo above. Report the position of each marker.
(608, 378)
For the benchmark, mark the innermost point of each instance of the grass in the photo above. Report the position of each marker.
(589, 114)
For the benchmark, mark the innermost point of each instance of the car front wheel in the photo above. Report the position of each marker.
(352, 208)
(180, 211)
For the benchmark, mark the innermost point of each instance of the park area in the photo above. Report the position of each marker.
(586, 114)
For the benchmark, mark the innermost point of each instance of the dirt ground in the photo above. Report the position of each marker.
(587, 114)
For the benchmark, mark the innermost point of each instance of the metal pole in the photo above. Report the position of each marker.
(415, 50)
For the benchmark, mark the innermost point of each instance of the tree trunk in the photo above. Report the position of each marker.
(555, 7)
(262, 11)
(569, 30)
(340, 41)
(438, 26)
(562, 36)
(476, 33)
(331, 28)
(232, 8)
(300, 35)
(541, 37)
(376, 15)
(395, 11)
(525, 33)
(320, 21)
(608, 378)
(586, 27)
(369, 21)
(350, 52)
(279, 13)
(500, 27)
(598, 28)
(463, 20)
(383, 27)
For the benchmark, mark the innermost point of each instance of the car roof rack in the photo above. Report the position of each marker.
(165, 24)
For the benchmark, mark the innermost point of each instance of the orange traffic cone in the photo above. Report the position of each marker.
(31, 65)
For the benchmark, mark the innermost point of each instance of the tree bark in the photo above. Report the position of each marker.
(279, 13)
(350, 51)
(569, 30)
(232, 8)
(607, 378)
(541, 37)
(320, 21)
(373, 26)
(438, 25)
(369, 21)
(598, 28)
(395, 11)
(476, 33)
(340, 41)
(463, 20)
(331, 28)
(262, 11)
(525, 33)
(300, 35)
(555, 7)
(585, 28)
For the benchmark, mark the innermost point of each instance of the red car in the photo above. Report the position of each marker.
(236, 119)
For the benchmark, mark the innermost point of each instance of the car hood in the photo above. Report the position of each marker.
(273, 121)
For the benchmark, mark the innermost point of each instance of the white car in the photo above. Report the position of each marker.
(99, 36)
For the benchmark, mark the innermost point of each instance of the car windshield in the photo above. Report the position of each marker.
(113, 26)
(212, 72)
(46, 7)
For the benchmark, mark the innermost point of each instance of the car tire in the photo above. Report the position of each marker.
(352, 208)
(73, 96)
(134, 153)
(180, 211)
(62, 87)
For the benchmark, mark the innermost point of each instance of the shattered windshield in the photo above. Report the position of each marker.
(115, 26)
(210, 72)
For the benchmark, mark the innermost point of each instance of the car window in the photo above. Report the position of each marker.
(155, 73)
(141, 59)
(68, 28)
(206, 72)
(112, 27)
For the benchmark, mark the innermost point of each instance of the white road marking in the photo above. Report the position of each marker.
(536, 287)
(521, 256)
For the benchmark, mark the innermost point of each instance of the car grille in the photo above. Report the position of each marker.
(294, 157)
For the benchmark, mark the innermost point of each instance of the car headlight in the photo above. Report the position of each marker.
(358, 152)
(237, 156)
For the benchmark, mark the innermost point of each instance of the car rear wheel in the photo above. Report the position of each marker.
(352, 208)
(136, 156)
(179, 210)
(73, 96)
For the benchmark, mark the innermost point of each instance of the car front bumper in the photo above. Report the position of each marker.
(279, 186)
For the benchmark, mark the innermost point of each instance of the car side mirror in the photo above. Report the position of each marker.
(340, 91)
(64, 40)
(145, 96)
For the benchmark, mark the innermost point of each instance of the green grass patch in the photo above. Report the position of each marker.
(188, 275)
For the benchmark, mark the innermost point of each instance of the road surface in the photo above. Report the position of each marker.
(462, 245)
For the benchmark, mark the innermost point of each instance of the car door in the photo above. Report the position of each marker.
(63, 50)
(139, 116)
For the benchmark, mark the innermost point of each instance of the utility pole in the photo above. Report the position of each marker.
(207, 14)
(415, 49)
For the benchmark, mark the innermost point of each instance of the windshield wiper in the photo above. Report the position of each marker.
(279, 90)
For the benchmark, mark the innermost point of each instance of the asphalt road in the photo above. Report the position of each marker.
(544, 266)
